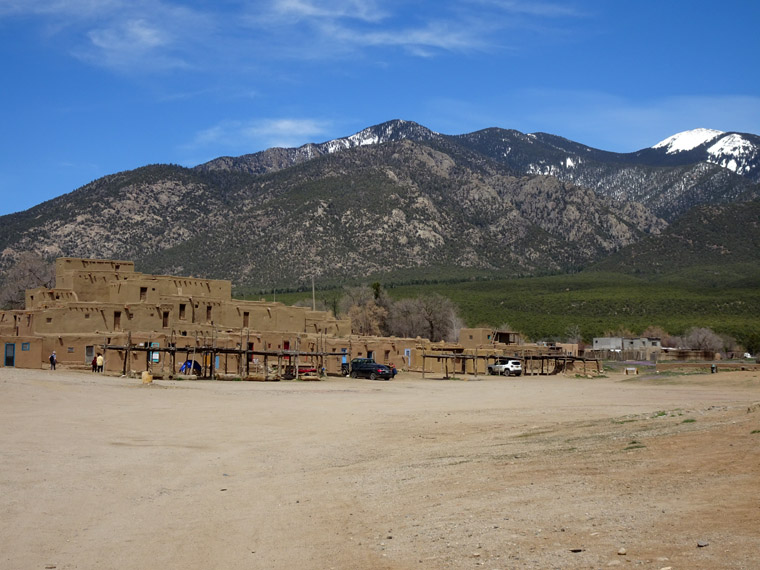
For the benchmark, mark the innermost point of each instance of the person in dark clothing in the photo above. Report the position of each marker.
(53, 361)
(94, 363)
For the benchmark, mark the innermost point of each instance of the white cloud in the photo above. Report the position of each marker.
(531, 8)
(81, 9)
(365, 10)
(140, 35)
(241, 137)
(155, 35)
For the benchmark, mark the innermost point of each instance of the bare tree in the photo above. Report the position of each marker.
(702, 338)
(373, 312)
(439, 313)
(367, 318)
(353, 296)
(29, 272)
(573, 334)
(654, 331)
(405, 319)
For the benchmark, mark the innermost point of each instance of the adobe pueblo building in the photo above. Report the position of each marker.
(157, 322)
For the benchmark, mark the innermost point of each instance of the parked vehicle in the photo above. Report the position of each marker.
(505, 367)
(367, 368)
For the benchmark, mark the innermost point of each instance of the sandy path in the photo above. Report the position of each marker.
(100, 472)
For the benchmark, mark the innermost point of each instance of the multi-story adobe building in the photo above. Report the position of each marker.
(98, 304)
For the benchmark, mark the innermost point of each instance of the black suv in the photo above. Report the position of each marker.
(367, 368)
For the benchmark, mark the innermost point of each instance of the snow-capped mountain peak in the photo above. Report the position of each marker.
(687, 140)
(389, 131)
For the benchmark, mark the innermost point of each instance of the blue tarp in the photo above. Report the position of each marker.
(190, 365)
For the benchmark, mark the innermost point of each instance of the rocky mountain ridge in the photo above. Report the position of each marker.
(667, 178)
(394, 200)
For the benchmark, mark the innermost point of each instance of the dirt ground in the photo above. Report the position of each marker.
(495, 473)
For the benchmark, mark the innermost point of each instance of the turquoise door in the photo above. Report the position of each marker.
(10, 354)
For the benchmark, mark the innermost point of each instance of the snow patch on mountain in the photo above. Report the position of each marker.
(728, 149)
(687, 140)
(392, 130)
(733, 144)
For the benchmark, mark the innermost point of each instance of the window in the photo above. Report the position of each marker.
(208, 313)
(24, 346)
(143, 293)
(49, 320)
(182, 311)
(165, 320)
(245, 319)
(87, 315)
(117, 320)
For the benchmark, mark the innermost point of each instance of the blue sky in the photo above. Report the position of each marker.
(93, 87)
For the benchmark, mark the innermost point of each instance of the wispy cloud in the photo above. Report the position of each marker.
(530, 8)
(240, 137)
(138, 36)
(364, 10)
(153, 35)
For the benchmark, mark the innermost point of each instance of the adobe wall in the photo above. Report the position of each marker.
(475, 337)
(27, 351)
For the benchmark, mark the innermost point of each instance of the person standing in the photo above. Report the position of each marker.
(94, 363)
(53, 361)
(99, 361)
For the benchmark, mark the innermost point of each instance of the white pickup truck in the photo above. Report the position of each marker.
(505, 367)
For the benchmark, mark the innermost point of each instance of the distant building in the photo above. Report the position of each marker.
(627, 348)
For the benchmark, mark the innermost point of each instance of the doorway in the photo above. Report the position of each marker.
(10, 354)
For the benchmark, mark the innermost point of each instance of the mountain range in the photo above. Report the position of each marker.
(397, 201)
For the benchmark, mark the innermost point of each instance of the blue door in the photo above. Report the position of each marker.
(10, 354)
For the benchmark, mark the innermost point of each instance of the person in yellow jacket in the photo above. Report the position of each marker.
(99, 362)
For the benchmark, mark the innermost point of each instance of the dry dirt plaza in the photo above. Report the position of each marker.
(499, 473)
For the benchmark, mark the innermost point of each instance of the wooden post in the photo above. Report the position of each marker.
(247, 354)
(298, 346)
